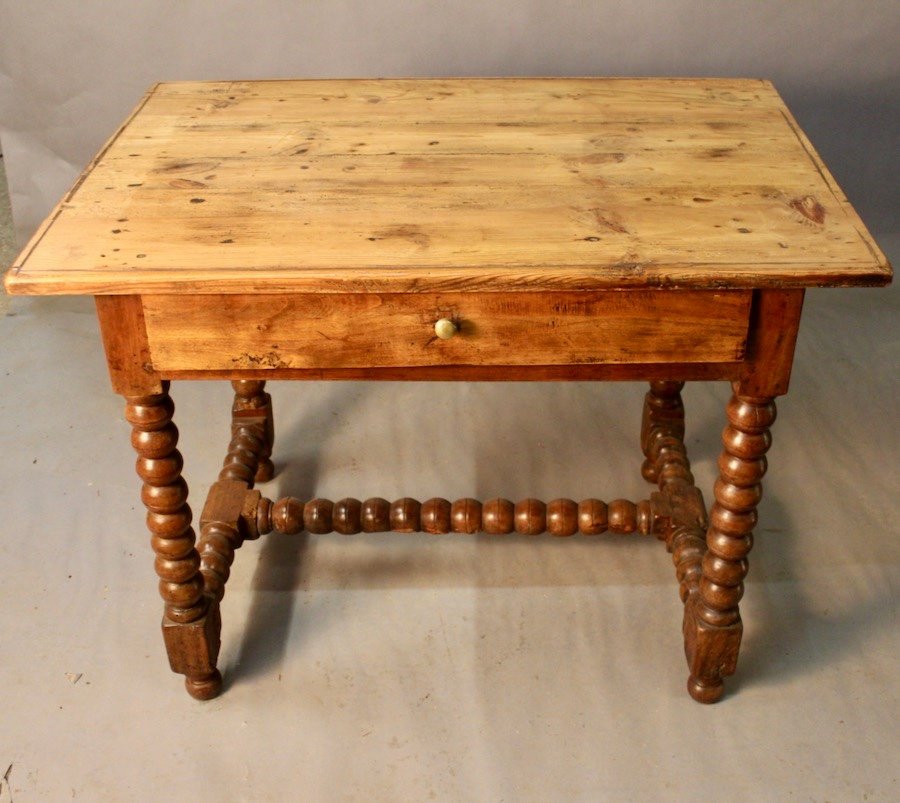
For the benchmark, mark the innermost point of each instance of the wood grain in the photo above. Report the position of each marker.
(433, 185)
(387, 330)
(774, 325)
(124, 334)
(585, 372)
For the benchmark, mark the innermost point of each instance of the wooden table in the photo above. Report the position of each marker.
(529, 229)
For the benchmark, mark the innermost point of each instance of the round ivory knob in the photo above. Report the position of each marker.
(445, 328)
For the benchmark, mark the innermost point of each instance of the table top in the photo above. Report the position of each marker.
(452, 184)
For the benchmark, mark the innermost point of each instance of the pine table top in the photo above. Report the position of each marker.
(419, 185)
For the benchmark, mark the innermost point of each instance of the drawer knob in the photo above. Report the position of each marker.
(445, 328)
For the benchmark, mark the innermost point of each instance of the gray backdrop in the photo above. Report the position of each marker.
(69, 72)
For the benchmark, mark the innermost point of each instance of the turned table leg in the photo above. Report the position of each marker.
(712, 623)
(251, 417)
(191, 619)
(247, 461)
(662, 408)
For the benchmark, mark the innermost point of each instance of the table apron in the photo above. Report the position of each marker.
(361, 331)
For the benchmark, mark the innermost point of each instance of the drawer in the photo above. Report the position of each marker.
(365, 330)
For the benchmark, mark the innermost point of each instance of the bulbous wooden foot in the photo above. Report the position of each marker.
(703, 692)
(204, 687)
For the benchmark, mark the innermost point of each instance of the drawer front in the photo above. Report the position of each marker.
(365, 330)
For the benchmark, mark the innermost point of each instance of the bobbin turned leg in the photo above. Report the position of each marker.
(246, 461)
(252, 402)
(712, 621)
(662, 408)
(191, 622)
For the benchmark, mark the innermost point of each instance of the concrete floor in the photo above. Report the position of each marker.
(458, 668)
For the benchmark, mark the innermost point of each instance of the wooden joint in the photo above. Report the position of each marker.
(223, 529)
(248, 416)
(687, 505)
(248, 525)
(224, 503)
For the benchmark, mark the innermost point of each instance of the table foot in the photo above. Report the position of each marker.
(711, 654)
(193, 648)
(204, 687)
(703, 693)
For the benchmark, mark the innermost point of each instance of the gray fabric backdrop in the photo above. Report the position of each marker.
(70, 71)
